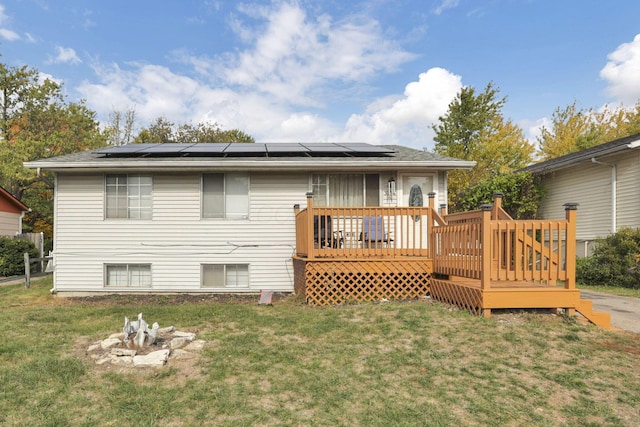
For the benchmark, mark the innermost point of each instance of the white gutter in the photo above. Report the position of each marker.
(614, 197)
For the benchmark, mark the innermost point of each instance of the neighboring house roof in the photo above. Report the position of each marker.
(250, 156)
(606, 149)
(8, 203)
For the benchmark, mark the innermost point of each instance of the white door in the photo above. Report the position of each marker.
(414, 232)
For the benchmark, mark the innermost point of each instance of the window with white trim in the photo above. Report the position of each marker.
(345, 189)
(225, 195)
(225, 275)
(128, 196)
(128, 275)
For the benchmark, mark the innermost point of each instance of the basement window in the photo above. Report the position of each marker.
(225, 275)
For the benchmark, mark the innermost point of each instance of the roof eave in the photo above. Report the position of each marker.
(248, 165)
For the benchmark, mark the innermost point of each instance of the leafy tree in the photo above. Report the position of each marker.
(474, 129)
(575, 129)
(120, 127)
(163, 130)
(522, 194)
(36, 123)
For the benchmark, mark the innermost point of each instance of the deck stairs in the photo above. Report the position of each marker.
(599, 318)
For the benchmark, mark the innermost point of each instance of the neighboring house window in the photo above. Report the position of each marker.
(128, 275)
(225, 195)
(225, 275)
(346, 189)
(128, 196)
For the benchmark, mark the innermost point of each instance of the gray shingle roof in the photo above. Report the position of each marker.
(608, 148)
(401, 157)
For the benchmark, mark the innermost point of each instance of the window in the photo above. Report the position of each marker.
(345, 189)
(225, 275)
(128, 275)
(128, 196)
(225, 195)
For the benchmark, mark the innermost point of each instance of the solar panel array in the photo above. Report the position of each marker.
(284, 149)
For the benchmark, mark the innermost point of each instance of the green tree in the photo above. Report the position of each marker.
(474, 129)
(36, 122)
(521, 194)
(573, 129)
(162, 130)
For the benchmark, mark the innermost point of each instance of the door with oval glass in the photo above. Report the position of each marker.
(415, 190)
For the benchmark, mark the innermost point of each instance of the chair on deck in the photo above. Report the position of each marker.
(323, 234)
(373, 231)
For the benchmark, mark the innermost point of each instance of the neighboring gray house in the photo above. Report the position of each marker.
(11, 212)
(212, 217)
(604, 180)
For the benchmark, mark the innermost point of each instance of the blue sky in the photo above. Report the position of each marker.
(378, 71)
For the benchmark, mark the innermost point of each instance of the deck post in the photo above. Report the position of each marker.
(570, 213)
(310, 238)
(497, 204)
(485, 231)
(432, 198)
(443, 210)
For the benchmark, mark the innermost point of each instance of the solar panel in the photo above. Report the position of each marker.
(362, 147)
(324, 147)
(124, 149)
(283, 149)
(244, 148)
(206, 148)
(167, 148)
(286, 147)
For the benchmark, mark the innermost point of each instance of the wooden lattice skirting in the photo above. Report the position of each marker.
(467, 298)
(327, 282)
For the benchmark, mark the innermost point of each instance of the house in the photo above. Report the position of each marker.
(217, 217)
(12, 211)
(603, 180)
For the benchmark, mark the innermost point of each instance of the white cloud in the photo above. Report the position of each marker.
(6, 33)
(622, 71)
(292, 55)
(291, 62)
(65, 55)
(407, 120)
(444, 5)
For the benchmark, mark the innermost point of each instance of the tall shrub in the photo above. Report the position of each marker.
(12, 255)
(615, 261)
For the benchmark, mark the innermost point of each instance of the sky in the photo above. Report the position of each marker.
(376, 71)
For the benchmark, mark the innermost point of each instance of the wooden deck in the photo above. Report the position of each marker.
(479, 261)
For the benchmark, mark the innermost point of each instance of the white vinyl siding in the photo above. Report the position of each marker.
(177, 241)
(590, 185)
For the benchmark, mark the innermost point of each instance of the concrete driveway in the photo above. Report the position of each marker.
(625, 311)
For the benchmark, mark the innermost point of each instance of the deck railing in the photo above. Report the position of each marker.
(365, 232)
(531, 250)
(516, 250)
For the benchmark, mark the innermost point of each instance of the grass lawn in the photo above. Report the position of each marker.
(614, 290)
(400, 363)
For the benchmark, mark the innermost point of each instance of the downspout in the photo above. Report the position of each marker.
(22, 214)
(614, 198)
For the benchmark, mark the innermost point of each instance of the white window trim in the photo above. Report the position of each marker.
(225, 217)
(128, 285)
(224, 286)
(128, 218)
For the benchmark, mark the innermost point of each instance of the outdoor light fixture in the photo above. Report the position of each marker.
(391, 187)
